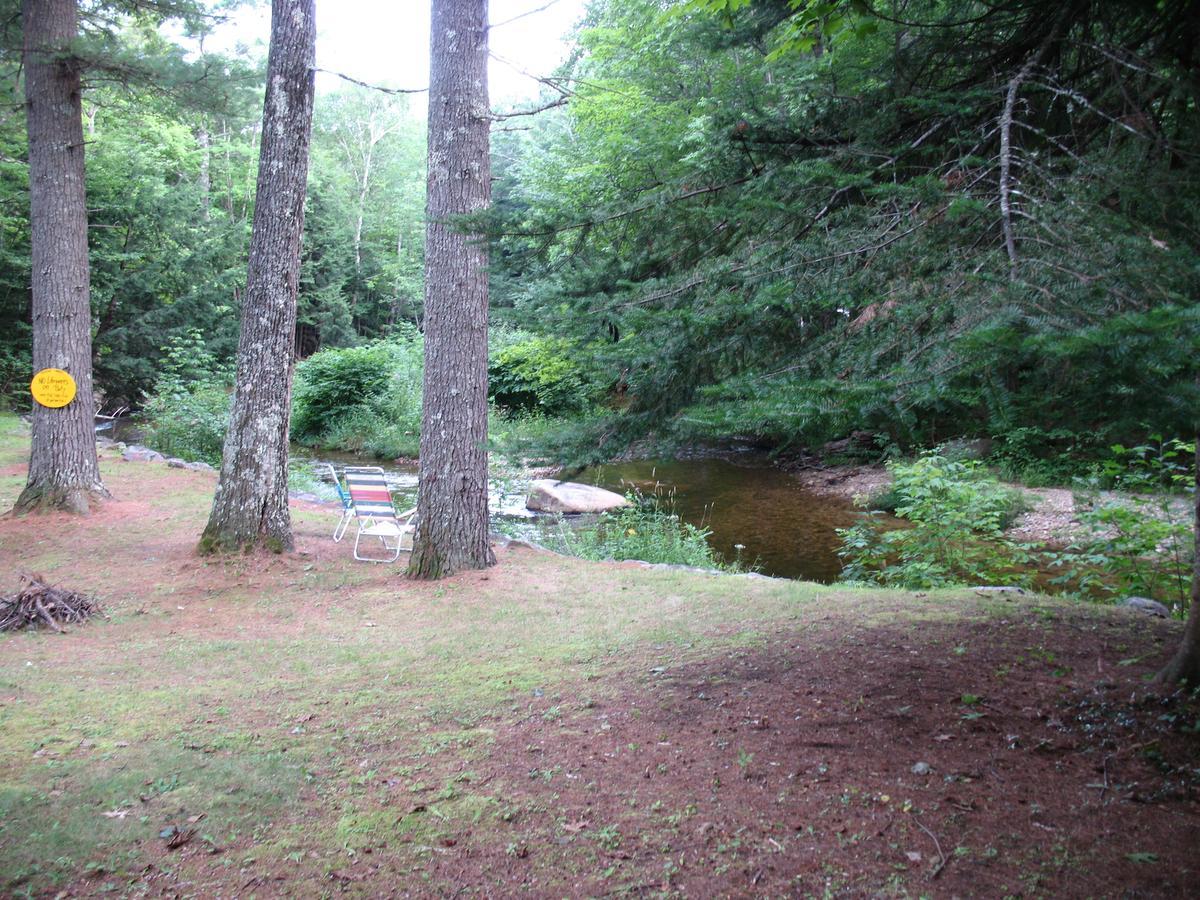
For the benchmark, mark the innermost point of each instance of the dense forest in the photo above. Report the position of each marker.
(943, 219)
(797, 404)
(172, 151)
(787, 222)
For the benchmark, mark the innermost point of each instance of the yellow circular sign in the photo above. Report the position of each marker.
(53, 388)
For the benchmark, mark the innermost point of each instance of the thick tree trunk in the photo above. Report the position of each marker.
(250, 508)
(64, 472)
(1185, 666)
(452, 525)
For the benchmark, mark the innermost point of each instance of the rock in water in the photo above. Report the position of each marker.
(548, 495)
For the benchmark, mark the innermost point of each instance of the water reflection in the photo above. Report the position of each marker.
(787, 528)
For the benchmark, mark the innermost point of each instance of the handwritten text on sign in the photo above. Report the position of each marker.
(53, 388)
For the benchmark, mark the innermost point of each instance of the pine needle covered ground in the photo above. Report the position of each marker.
(304, 725)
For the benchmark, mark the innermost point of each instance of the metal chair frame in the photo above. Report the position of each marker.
(376, 514)
(339, 530)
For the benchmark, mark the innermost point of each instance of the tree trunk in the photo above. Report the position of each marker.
(64, 472)
(1185, 666)
(363, 187)
(250, 508)
(204, 181)
(452, 525)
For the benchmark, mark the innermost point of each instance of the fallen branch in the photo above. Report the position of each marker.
(38, 603)
(941, 865)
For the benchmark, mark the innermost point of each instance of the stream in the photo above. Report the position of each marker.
(783, 529)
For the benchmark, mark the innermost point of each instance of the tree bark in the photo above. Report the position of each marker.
(204, 181)
(64, 472)
(250, 509)
(1185, 665)
(452, 504)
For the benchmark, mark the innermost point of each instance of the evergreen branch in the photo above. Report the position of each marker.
(554, 104)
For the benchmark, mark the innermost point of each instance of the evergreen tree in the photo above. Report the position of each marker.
(452, 504)
(805, 219)
(250, 508)
(64, 472)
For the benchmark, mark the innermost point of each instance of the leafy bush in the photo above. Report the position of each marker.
(537, 374)
(1140, 545)
(957, 514)
(188, 413)
(363, 399)
(1156, 466)
(15, 366)
(189, 422)
(646, 530)
(364, 429)
(1041, 457)
(332, 383)
(1011, 502)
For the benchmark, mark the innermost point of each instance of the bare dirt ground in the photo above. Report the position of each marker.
(303, 725)
(846, 762)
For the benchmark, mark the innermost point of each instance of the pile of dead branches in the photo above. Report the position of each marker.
(38, 604)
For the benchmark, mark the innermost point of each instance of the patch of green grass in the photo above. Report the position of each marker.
(63, 813)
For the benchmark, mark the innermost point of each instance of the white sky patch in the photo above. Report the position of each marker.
(386, 42)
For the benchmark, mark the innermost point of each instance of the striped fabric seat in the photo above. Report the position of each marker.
(376, 515)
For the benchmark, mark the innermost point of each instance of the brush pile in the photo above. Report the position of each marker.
(38, 605)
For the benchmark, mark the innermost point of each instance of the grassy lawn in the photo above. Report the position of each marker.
(308, 725)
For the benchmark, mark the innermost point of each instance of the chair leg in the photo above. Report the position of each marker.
(340, 531)
(395, 551)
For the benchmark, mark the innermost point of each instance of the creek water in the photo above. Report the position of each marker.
(753, 510)
(783, 529)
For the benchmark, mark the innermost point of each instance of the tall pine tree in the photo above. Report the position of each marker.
(64, 472)
(452, 529)
(250, 508)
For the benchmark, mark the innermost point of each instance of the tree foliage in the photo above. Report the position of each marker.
(790, 220)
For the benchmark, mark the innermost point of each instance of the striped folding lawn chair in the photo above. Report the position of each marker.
(376, 514)
(339, 530)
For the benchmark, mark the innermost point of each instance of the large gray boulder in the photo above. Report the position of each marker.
(142, 454)
(548, 495)
(1147, 606)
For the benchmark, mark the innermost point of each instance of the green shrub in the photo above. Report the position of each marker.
(365, 430)
(15, 369)
(537, 374)
(1010, 502)
(1156, 466)
(956, 514)
(1040, 457)
(188, 413)
(1141, 545)
(646, 530)
(332, 383)
(362, 399)
(189, 421)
